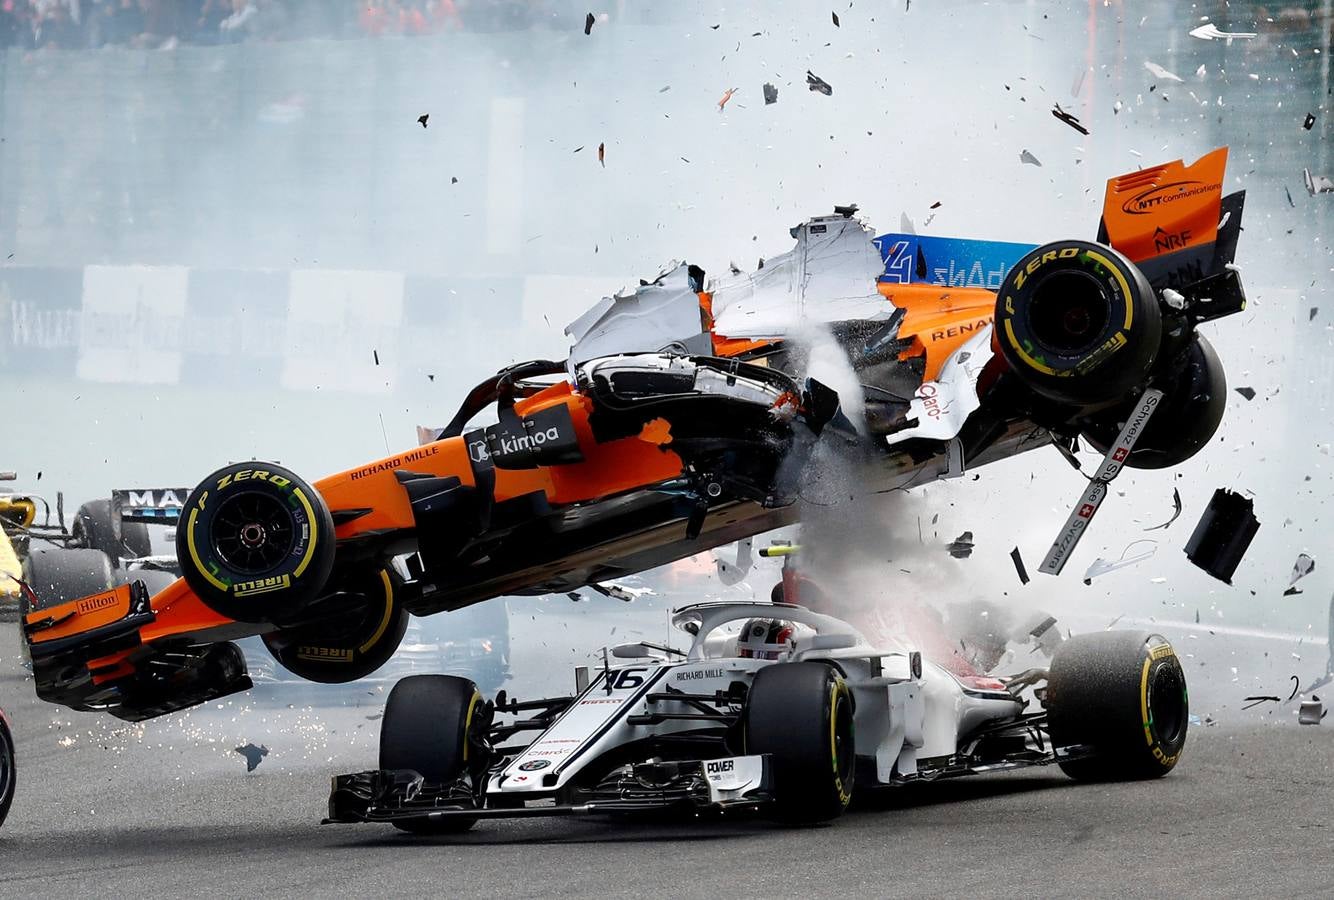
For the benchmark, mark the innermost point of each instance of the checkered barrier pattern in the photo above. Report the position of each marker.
(300, 330)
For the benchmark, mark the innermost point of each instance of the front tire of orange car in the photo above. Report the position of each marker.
(256, 543)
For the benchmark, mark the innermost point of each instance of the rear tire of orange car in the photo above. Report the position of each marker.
(427, 725)
(255, 543)
(1078, 322)
(353, 639)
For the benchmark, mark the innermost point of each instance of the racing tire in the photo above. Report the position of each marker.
(1078, 322)
(8, 767)
(61, 574)
(97, 527)
(1123, 695)
(1185, 420)
(348, 645)
(426, 725)
(255, 543)
(800, 714)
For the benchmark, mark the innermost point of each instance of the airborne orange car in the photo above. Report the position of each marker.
(684, 418)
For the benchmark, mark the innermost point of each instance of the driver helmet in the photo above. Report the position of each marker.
(764, 638)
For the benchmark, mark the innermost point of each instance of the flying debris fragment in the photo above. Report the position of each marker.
(1309, 122)
(1068, 119)
(602, 155)
(770, 94)
(1317, 184)
(422, 119)
(1028, 159)
(816, 83)
(1247, 392)
(1102, 566)
(1211, 32)
(1223, 534)
(1159, 72)
(835, 17)
(730, 572)
(1303, 566)
(253, 755)
(1019, 565)
(1176, 511)
(1311, 711)
(961, 547)
(588, 23)
(727, 95)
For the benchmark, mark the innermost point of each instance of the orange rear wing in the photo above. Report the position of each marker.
(1173, 221)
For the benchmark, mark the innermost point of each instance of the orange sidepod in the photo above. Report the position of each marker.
(608, 468)
(1165, 208)
(939, 319)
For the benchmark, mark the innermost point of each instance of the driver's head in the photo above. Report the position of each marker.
(764, 638)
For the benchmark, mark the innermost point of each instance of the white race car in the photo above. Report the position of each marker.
(773, 706)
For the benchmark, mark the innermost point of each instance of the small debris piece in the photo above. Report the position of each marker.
(1159, 72)
(253, 755)
(1041, 628)
(727, 95)
(422, 119)
(770, 94)
(453, 179)
(1067, 118)
(1309, 122)
(816, 83)
(602, 155)
(936, 205)
(376, 354)
(1102, 566)
(1317, 184)
(1173, 298)
(835, 17)
(1289, 193)
(1303, 566)
(1019, 565)
(1223, 534)
(1029, 159)
(1176, 511)
(1210, 32)
(588, 23)
(962, 546)
(1257, 700)
(1311, 316)
(1247, 392)
(574, 595)
(1311, 711)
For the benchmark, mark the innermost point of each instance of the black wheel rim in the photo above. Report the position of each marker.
(1167, 703)
(1068, 314)
(252, 532)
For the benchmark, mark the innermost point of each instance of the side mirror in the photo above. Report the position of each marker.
(826, 642)
(632, 651)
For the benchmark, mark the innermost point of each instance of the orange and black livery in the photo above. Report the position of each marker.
(683, 419)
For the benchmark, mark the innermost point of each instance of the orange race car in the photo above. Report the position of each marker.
(685, 417)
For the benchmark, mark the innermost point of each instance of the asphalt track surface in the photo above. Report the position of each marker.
(168, 809)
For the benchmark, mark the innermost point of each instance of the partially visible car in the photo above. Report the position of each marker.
(8, 769)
